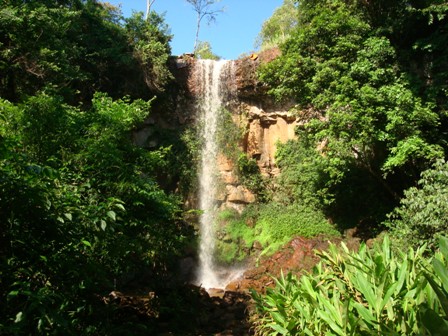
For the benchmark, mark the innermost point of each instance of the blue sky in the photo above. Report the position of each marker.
(233, 33)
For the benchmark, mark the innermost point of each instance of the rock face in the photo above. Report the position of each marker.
(265, 131)
(264, 123)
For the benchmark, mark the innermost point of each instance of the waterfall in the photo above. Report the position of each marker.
(213, 89)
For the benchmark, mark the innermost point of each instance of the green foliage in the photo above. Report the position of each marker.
(250, 175)
(150, 42)
(236, 237)
(277, 224)
(272, 225)
(438, 279)
(229, 141)
(302, 177)
(423, 212)
(79, 47)
(361, 76)
(279, 26)
(229, 135)
(204, 51)
(369, 292)
(80, 212)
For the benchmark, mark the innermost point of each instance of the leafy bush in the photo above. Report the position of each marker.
(277, 224)
(438, 279)
(272, 225)
(302, 174)
(423, 213)
(77, 218)
(369, 292)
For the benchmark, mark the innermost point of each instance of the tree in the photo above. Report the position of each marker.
(148, 8)
(204, 51)
(279, 26)
(204, 9)
(150, 43)
(366, 110)
(423, 212)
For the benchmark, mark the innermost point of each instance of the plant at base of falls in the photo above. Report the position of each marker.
(277, 224)
(232, 246)
(370, 292)
(423, 212)
(438, 279)
(271, 225)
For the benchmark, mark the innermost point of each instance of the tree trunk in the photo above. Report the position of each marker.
(198, 25)
(148, 8)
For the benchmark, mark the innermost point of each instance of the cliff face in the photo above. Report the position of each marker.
(263, 122)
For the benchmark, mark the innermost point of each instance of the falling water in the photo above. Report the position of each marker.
(213, 78)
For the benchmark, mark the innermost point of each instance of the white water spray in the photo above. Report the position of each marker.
(213, 78)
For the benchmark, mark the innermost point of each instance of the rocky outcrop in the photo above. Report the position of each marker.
(264, 121)
(264, 131)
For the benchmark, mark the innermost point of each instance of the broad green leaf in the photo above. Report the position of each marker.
(103, 225)
(13, 293)
(443, 246)
(19, 317)
(331, 323)
(403, 271)
(364, 313)
(120, 206)
(278, 317)
(435, 324)
(68, 216)
(441, 294)
(333, 310)
(281, 330)
(442, 272)
(387, 296)
(365, 288)
(87, 243)
(308, 287)
(112, 215)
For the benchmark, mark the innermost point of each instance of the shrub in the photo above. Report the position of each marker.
(277, 224)
(370, 292)
(272, 225)
(423, 213)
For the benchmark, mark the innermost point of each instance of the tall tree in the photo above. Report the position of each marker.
(204, 9)
(148, 8)
(279, 26)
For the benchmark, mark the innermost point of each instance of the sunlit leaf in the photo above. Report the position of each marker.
(111, 214)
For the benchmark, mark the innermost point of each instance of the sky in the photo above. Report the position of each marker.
(233, 34)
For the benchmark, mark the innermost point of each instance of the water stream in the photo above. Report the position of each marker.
(213, 78)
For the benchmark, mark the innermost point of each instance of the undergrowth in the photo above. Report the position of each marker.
(267, 227)
(371, 292)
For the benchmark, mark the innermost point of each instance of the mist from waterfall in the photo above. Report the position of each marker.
(212, 79)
